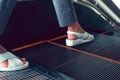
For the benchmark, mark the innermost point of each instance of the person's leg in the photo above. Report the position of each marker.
(66, 17)
(8, 61)
(6, 7)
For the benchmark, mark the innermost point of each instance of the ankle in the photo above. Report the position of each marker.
(75, 27)
(71, 37)
(2, 49)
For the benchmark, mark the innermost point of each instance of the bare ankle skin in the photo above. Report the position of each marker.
(75, 27)
(2, 49)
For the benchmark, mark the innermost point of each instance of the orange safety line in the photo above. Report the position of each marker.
(56, 38)
(37, 43)
(105, 32)
(59, 37)
(27, 46)
(85, 52)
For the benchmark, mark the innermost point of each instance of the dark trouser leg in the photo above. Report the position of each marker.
(6, 7)
(65, 12)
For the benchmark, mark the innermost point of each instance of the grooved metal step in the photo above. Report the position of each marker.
(34, 73)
